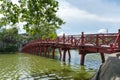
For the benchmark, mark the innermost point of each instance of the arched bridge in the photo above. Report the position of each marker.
(85, 43)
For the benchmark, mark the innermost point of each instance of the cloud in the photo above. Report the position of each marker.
(107, 8)
(70, 13)
(60, 34)
(102, 31)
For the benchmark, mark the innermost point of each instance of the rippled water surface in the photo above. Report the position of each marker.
(21, 66)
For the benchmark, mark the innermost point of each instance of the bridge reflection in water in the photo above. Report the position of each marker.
(85, 43)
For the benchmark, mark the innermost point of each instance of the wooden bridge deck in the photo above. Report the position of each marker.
(84, 43)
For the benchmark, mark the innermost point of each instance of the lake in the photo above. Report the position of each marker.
(21, 66)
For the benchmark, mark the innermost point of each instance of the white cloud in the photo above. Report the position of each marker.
(61, 33)
(102, 31)
(70, 13)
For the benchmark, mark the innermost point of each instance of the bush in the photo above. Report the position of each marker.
(2, 49)
(11, 48)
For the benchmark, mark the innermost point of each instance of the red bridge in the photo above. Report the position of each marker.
(85, 43)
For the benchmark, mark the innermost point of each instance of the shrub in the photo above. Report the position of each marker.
(11, 48)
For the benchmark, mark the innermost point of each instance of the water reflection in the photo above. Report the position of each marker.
(92, 61)
(30, 67)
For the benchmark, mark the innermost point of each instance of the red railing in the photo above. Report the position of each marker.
(85, 43)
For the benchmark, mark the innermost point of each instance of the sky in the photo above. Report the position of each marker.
(89, 16)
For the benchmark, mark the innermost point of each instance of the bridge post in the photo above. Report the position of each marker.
(112, 47)
(97, 40)
(48, 52)
(69, 54)
(82, 38)
(103, 39)
(40, 51)
(63, 38)
(57, 40)
(71, 39)
(97, 43)
(82, 58)
(53, 53)
(33, 49)
(45, 49)
(64, 54)
(119, 38)
(36, 50)
(118, 31)
(60, 53)
(102, 57)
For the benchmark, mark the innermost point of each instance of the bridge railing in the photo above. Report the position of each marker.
(100, 39)
(117, 40)
(109, 39)
(94, 39)
(69, 39)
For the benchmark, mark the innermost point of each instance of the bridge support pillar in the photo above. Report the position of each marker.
(64, 54)
(60, 53)
(53, 53)
(40, 53)
(36, 52)
(102, 57)
(69, 55)
(32, 51)
(45, 50)
(48, 52)
(82, 58)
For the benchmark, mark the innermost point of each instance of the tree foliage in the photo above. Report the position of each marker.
(39, 15)
(9, 39)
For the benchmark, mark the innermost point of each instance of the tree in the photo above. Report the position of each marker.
(9, 39)
(39, 15)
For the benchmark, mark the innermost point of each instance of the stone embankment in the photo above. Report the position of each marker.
(110, 70)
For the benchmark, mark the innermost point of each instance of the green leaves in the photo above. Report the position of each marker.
(39, 16)
(9, 38)
(9, 35)
(10, 13)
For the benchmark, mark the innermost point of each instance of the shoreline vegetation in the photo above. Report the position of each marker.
(8, 52)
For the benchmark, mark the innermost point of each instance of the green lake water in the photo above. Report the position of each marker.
(21, 66)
